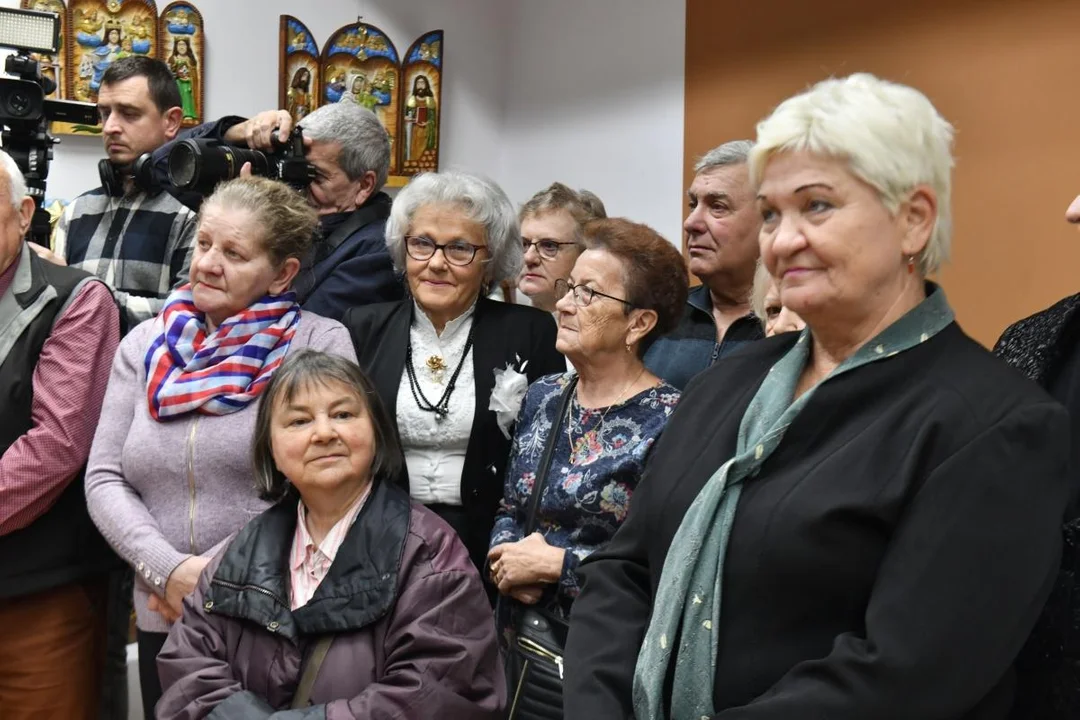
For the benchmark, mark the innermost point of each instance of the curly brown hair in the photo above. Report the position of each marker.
(654, 271)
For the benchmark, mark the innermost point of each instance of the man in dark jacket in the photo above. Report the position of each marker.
(722, 244)
(350, 150)
(1046, 348)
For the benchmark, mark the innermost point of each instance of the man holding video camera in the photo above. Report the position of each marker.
(350, 151)
(138, 240)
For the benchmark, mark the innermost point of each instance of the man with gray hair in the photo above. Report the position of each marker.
(722, 244)
(350, 150)
(59, 330)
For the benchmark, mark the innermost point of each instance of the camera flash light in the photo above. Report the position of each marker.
(30, 30)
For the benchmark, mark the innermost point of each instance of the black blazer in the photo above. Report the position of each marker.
(888, 561)
(502, 332)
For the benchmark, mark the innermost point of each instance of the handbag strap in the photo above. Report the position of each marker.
(302, 698)
(545, 460)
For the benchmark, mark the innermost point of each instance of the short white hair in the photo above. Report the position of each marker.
(16, 181)
(891, 135)
(480, 199)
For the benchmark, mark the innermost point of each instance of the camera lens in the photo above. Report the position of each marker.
(183, 165)
(18, 104)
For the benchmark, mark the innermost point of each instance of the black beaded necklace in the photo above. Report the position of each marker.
(441, 408)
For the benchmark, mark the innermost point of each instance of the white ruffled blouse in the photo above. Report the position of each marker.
(434, 448)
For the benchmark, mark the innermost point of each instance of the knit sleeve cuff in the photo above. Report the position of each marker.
(155, 564)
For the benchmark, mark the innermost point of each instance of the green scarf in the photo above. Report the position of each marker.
(687, 603)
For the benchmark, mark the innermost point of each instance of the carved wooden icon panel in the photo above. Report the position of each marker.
(183, 48)
(422, 100)
(360, 65)
(52, 66)
(298, 63)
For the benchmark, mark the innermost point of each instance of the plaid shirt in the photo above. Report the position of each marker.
(139, 244)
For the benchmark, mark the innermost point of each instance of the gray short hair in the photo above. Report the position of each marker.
(735, 152)
(480, 199)
(303, 369)
(365, 144)
(891, 136)
(16, 181)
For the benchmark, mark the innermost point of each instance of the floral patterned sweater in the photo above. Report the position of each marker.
(588, 489)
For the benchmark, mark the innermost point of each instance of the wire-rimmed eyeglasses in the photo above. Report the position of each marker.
(583, 294)
(546, 248)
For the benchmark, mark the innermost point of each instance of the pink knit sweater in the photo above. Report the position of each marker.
(161, 492)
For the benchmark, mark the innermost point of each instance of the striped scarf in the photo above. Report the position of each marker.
(188, 370)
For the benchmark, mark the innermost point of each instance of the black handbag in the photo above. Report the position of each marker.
(536, 657)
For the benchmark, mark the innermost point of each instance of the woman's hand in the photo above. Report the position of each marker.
(530, 561)
(182, 581)
(162, 608)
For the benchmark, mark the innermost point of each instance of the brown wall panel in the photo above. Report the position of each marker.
(1005, 73)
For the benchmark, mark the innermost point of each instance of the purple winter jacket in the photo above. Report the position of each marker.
(413, 632)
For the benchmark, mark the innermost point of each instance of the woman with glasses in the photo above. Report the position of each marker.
(551, 224)
(627, 289)
(450, 364)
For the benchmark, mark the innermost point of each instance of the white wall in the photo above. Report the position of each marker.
(588, 92)
(595, 100)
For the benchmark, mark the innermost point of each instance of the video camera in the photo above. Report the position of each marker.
(200, 164)
(25, 114)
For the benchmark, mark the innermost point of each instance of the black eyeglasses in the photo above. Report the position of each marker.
(456, 252)
(583, 294)
(547, 249)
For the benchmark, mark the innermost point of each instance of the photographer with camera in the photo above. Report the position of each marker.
(59, 330)
(350, 152)
(136, 239)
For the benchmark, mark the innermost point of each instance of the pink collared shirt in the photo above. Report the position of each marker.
(309, 562)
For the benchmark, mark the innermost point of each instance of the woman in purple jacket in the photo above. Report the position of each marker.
(345, 595)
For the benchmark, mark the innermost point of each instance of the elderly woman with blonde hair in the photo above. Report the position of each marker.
(861, 520)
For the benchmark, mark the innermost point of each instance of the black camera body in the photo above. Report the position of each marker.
(25, 114)
(200, 164)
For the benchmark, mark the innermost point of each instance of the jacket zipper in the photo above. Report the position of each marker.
(542, 652)
(256, 588)
(191, 483)
(520, 686)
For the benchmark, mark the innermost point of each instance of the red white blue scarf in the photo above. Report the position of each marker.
(217, 374)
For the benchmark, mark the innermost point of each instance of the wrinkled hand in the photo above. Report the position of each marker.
(527, 594)
(46, 254)
(258, 133)
(182, 581)
(530, 561)
(159, 606)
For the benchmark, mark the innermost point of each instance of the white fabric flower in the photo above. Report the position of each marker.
(508, 394)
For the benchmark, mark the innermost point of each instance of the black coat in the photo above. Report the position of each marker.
(887, 563)
(1046, 348)
(502, 333)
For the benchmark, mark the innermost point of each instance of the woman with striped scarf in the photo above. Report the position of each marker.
(170, 474)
